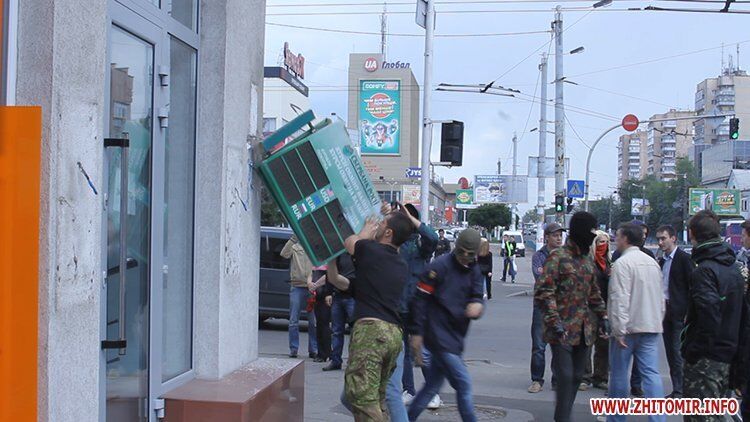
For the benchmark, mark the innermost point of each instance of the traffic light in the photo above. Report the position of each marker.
(452, 142)
(570, 205)
(559, 204)
(734, 128)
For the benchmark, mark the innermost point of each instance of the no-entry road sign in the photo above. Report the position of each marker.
(630, 122)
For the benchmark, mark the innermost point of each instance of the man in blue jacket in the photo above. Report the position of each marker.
(450, 293)
(417, 252)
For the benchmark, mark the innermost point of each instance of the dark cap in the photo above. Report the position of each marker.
(553, 228)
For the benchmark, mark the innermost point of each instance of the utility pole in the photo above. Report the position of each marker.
(542, 154)
(424, 196)
(383, 29)
(559, 112)
(514, 207)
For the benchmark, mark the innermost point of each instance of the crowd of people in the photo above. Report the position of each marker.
(410, 298)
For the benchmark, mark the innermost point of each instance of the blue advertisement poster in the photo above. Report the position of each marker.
(379, 117)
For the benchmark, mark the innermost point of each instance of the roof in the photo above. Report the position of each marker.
(739, 179)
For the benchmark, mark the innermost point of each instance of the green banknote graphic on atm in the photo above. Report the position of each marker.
(319, 183)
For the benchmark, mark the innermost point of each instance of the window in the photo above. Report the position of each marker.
(270, 253)
(269, 124)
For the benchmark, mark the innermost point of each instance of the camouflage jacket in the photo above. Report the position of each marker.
(569, 296)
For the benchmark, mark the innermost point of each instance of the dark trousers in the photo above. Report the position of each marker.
(342, 311)
(597, 369)
(488, 286)
(568, 365)
(508, 267)
(745, 406)
(323, 327)
(407, 378)
(538, 347)
(672, 330)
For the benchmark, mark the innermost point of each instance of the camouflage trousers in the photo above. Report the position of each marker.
(705, 379)
(373, 350)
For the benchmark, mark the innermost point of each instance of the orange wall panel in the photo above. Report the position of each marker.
(20, 146)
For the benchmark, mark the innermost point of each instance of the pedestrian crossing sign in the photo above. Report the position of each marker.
(576, 189)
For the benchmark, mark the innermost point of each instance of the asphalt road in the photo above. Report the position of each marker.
(497, 354)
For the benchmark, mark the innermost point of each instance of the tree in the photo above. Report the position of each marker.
(490, 216)
(531, 216)
(270, 214)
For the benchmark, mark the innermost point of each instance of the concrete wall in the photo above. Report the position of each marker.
(227, 237)
(61, 67)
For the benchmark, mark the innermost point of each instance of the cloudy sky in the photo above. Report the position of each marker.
(634, 62)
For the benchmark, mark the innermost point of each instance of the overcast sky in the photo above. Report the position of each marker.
(615, 43)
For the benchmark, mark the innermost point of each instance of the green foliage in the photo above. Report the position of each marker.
(270, 214)
(490, 216)
(531, 216)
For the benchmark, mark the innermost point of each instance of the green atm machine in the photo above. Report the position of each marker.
(318, 181)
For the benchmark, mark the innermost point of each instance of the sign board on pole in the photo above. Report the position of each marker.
(576, 188)
(723, 202)
(500, 189)
(380, 117)
(421, 17)
(410, 194)
(465, 199)
(630, 122)
(413, 172)
(547, 168)
(639, 206)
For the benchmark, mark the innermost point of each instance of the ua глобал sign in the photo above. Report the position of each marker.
(379, 117)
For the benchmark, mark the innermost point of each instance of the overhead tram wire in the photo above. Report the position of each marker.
(478, 2)
(344, 31)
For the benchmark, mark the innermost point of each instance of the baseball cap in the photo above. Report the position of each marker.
(552, 228)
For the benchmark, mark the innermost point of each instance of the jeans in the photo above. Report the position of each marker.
(488, 286)
(538, 346)
(342, 311)
(393, 391)
(508, 267)
(642, 348)
(446, 365)
(568, 364)
(672, 330)
(297, 302)
(408, 379)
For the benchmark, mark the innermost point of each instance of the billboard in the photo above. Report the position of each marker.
(380, 117)
(639, 206)
(500, 189)
(465, 199)
(410, 194)
(723, 202)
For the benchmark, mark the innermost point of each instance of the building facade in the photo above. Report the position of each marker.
(148, 265)
(728, 93)
(719, 160)
(284, 93)
(666, 142)
(384, 112)
(631, 156)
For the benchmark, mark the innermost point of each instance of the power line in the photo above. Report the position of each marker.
(450, 12)
(576, 133)
(344, 31)
(658, 59)
(624, 95)
(493, 2)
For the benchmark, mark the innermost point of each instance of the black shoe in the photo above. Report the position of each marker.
(313, 355)
(293, 355)
(636, 392)
(320, 359)
(513, 281)
(674, 395)
(503, 280)
(332, 367)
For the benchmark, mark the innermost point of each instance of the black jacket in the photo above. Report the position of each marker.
(443, 246)
(602, 279)
(485, 263)
(679, 277)
(714, 305)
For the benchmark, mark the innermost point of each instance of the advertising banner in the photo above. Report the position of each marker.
(410, 194)
(500, 189)
(723, 202)
(639, 206)
(380, 117)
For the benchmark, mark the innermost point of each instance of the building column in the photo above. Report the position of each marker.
(227, 235)
(61, 63)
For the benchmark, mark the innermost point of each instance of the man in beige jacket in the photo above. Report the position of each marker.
(636, 310)
(300, 272)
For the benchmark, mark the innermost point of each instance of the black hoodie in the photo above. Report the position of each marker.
(714, 305)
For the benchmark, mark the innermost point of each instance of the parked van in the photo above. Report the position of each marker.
(274, 283)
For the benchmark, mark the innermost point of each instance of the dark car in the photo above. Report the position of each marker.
(274, 274)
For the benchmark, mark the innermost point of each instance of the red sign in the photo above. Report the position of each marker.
(371, 64)
(380, 105)
(630, 122)
(295, 63)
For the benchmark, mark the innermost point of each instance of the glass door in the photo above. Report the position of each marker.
(128, 198)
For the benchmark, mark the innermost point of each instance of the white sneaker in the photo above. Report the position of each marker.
(407, 398)
(435, 403)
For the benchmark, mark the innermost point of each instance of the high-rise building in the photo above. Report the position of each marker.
(728, 93)
(631, 156)
(667, 141)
